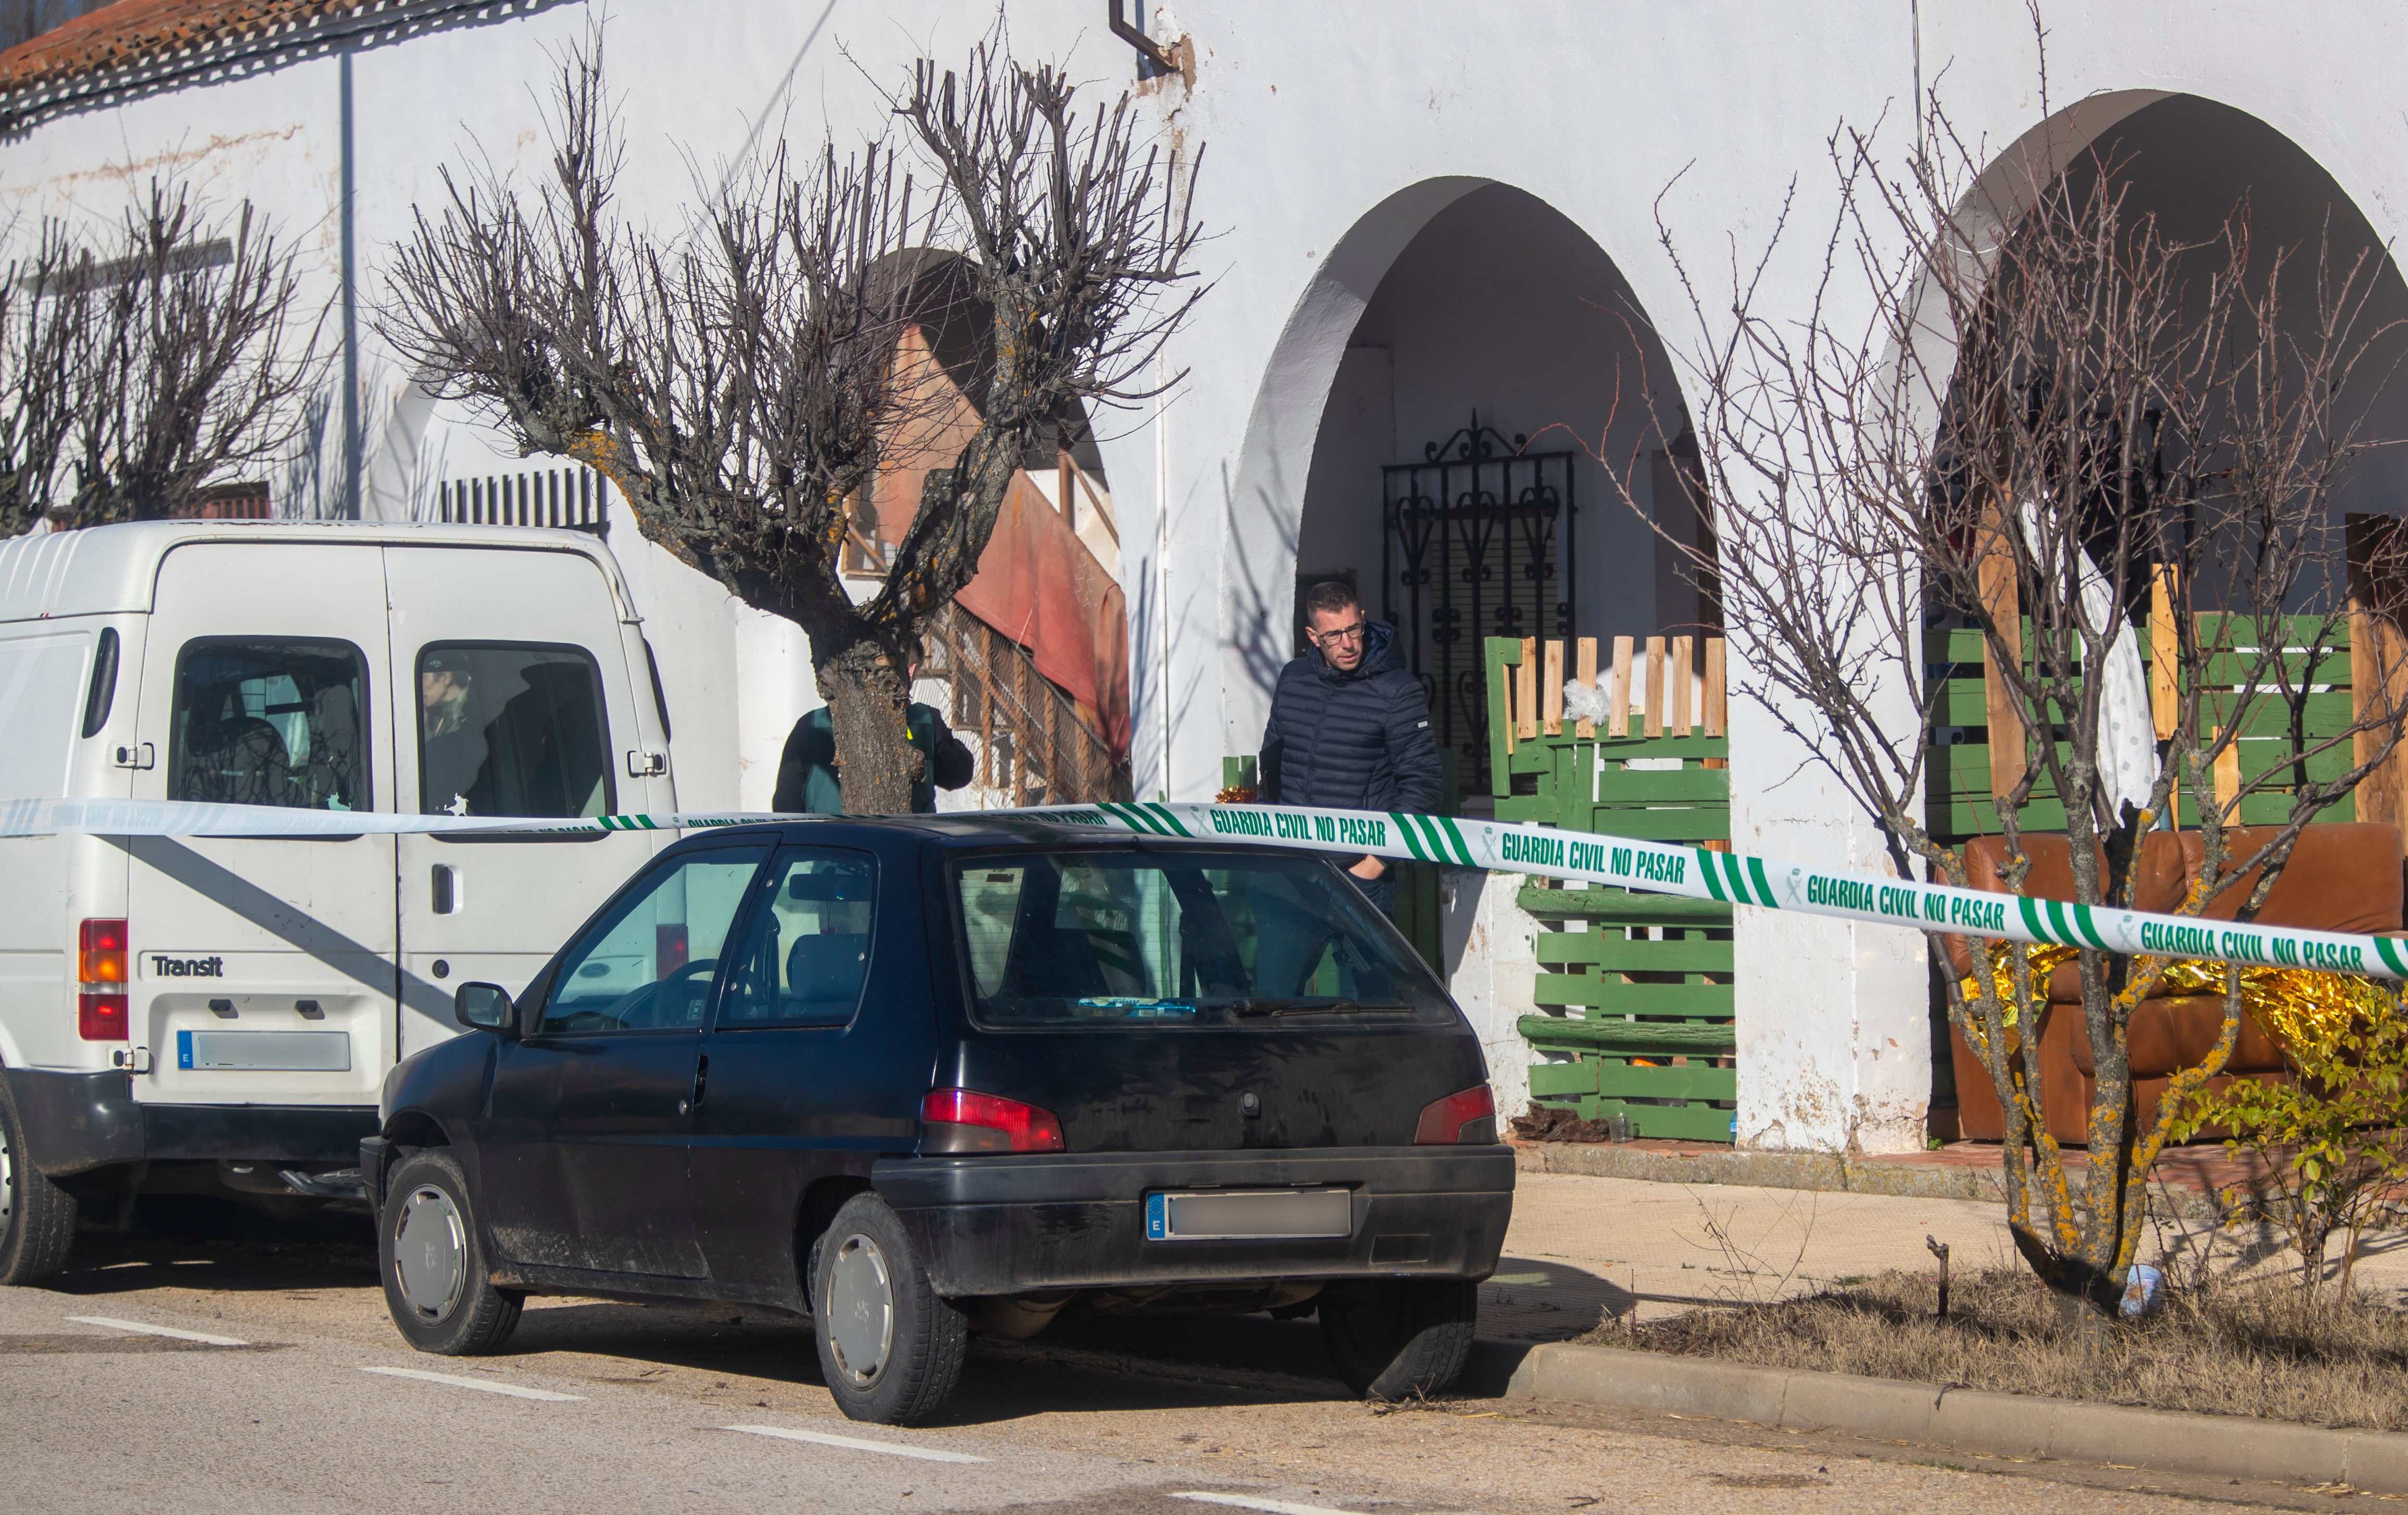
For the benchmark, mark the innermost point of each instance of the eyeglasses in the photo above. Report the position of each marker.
(1344, 634)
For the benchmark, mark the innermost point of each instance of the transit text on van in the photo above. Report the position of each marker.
(187, 967)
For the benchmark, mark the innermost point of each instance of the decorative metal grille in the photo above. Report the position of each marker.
(1476, 536)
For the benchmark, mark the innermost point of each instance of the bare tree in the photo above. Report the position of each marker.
(739, 380)
(2014, 403)
(39, 343)
(135, 379)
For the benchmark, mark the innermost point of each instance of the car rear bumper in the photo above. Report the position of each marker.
(1042, 1222)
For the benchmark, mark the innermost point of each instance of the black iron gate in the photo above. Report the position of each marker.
(1477, 536)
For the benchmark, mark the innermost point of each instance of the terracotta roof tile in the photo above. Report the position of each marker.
(133, 33)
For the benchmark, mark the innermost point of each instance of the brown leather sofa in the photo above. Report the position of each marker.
(2344, 876)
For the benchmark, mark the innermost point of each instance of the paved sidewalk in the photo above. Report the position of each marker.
(1580, 1246)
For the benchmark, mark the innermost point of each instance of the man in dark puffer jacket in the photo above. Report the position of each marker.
(1350, 726)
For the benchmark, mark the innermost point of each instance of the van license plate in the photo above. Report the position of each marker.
(292, 1051)
(1252, 1215)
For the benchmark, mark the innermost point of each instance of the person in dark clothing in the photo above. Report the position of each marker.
(1350, 726)
(807, 774)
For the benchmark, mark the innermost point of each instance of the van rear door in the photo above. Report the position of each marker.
(264, 968)
(519, 702)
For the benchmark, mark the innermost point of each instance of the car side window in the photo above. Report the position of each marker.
(510, 729)
(649, 961)
(261, 721)
(806, 948)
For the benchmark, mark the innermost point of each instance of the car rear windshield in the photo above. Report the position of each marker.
(1110, 939)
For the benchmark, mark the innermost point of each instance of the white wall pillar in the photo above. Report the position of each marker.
(1834, 1026)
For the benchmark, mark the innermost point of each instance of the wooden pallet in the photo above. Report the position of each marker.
(1961, 784)
(1634, 1008)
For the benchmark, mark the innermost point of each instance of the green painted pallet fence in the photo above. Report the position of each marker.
(1959, 794)
(1634, 1011)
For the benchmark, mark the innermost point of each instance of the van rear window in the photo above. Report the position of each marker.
(270, 721)
(1105, 939)
(510, 729)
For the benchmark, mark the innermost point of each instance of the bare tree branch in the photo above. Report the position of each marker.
(742, 380)
(135, 381)
(2041, 389)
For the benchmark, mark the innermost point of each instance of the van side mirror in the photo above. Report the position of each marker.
(483, 1007)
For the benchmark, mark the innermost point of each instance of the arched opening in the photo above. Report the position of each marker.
(1500, 364)
(1496, 403)
(2188, 162)
(2186, 167)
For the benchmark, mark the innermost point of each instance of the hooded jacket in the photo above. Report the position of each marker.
(1359, 740)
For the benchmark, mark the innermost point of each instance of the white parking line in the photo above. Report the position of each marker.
(1275, 1507)
(482, 1385)
(821, 1438)
(115, 1324)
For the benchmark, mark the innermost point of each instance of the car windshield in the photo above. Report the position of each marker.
(1103, 938)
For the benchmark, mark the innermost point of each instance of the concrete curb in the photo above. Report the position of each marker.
(1956, 1419)
(1794, 1170)
(1761, 1170)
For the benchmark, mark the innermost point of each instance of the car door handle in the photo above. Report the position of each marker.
(701, 1079)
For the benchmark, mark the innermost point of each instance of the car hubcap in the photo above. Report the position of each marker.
(8, 1185)
(430, 1254)
(860, 1311)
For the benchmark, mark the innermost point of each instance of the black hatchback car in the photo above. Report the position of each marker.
(914, 1078)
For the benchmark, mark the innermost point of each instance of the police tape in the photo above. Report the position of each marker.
(1736, 878)
(193, 818)
(1626, 862)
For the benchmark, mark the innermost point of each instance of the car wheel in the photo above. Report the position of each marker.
(436, 1284)
(890, 1349)
(1399, 1337)
(37, 1217)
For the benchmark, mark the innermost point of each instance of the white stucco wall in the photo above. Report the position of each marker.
(1336, 133)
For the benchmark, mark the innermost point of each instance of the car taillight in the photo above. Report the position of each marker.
(1467, 1117)
(964, 1121)
(101, 972)
(669, 948)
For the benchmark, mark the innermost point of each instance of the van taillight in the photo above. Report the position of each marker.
(101, 971)
(101, 1017)
(100, 952)
(1469, 1118)
(964, 1121)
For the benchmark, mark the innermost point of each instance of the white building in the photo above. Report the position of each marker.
(1428, 212)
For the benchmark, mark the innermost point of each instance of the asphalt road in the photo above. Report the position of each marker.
(308, 1401)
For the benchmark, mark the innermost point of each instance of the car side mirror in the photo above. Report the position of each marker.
(484, 1007)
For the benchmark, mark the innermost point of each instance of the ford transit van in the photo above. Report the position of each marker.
(180, 1013)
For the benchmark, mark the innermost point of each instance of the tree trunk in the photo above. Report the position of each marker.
(869, 692)
(2081, 1320)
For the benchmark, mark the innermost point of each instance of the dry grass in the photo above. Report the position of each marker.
(2231, 1349)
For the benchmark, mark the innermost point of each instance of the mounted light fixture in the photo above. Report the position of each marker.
(1147, 47)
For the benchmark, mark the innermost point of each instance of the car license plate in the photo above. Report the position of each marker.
(282, 1051)
(1250, 1215)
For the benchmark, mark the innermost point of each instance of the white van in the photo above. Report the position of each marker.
(187, 1013)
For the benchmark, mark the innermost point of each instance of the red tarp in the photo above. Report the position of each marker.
(1038, 585)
